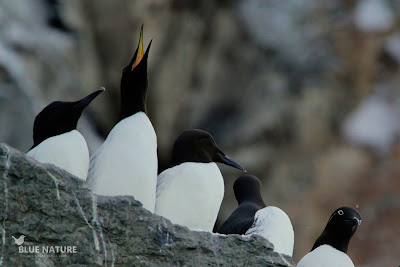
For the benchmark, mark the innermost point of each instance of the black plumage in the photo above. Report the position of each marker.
(340, 228)
(247, 193)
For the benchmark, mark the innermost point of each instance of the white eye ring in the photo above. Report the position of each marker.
(340, 212)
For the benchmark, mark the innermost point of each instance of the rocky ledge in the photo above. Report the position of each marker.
(65, 225)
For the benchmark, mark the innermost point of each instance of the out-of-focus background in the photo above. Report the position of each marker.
(304, 94)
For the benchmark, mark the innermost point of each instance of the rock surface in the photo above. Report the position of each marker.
(53, 208)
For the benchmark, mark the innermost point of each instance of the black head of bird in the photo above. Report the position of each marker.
(134, 82)
(59, 117)
(247, 188)
(340, 228)
(199, 146)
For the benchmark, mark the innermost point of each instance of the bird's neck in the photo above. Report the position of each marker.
(338, 242)
(132, 102)
(186, 156)
(39, 138)
(254, 199)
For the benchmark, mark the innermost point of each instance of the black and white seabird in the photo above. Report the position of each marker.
(126, 163)
(56, 140)
(331, 246)
(191, 191)
(253, 217)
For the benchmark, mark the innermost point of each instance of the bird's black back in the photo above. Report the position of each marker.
(241, 219)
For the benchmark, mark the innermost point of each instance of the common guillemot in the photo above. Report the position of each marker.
(56, 140)
(191, 191)
(126, 163)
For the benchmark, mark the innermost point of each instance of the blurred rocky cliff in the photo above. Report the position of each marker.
(303, 93)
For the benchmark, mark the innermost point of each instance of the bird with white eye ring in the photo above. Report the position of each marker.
(330, 248)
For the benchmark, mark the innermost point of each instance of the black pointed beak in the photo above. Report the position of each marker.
(84, 102)
(354, 221)
(222, 158)
(146, 54)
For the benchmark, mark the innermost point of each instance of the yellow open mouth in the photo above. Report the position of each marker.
(139, 54)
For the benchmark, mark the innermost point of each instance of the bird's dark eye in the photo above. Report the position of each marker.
(340, 212)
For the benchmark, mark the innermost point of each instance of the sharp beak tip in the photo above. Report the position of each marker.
(354, 221)
(140, 54)
(84, 102)
(230, 162)
(146, 54)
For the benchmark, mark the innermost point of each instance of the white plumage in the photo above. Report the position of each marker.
(68, 151)
(190, 194)
(273, 224)
(126, 163)
(326, 256)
